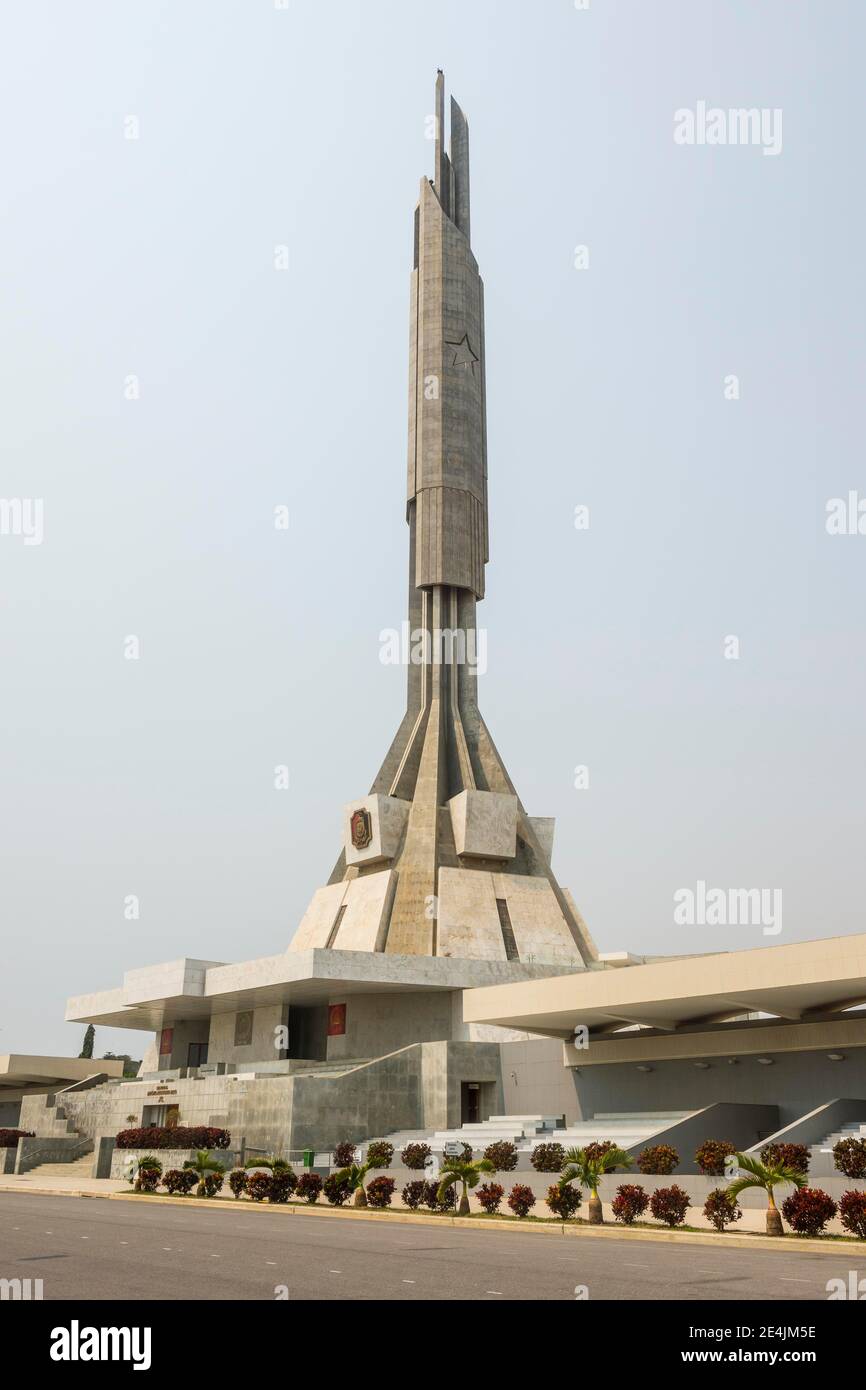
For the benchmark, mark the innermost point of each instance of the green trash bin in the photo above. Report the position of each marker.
(309, 1156)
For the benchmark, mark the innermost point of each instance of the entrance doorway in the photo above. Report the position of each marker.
(470, 1102)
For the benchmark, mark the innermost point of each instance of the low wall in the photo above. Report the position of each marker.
(169, 1158)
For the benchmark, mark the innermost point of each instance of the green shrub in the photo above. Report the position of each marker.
(414, 1194)
(521, 1199)
(721, 1208)
(710, 1157)
(564, 1202)
(548, 1158)
(630, 1202)
(670, 1204)
(808, 1210)
(343, 1155)
(658, 1160)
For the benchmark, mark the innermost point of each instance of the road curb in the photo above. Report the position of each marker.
(572, 1230)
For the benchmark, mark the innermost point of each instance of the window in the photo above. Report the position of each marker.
(196, 1054)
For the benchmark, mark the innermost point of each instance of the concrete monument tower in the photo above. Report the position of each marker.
(441, 859)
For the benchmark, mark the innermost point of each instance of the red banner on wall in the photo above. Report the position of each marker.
(166, 1041)
(336, 1020)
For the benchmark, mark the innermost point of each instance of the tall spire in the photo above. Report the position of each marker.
(441, 858)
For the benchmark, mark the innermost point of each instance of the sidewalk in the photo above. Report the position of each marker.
(52, 1185)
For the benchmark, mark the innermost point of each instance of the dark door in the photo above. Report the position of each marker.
(470, 1102)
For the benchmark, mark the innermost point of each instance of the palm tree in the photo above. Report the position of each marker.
(354, 1176)
(456, 1170)
(147, 1164)
(588, 1171)
(203, 1164)
(766, 1176)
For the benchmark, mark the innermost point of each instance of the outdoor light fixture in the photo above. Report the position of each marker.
(702, 1066)
(643, 1067)
(765, 1061)
(836, 1056)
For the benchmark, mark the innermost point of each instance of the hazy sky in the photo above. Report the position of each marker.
(154, 258)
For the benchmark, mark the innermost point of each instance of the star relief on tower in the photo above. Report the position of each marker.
(462, 354)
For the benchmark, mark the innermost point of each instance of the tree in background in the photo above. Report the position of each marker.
(87, 1045)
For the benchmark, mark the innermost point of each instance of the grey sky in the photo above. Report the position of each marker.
(155, 257)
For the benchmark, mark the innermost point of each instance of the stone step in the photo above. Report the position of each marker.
(78, 1168)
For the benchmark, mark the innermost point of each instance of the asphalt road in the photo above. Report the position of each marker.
(95, 1249)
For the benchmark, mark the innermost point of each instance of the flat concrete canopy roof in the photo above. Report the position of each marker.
(18, 1070)
(793, 982)
(157, 995)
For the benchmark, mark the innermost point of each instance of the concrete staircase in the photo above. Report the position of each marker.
(849, 1131)
(626, 1128)
(78, 1168)
(821, 1161)
(525, 1131)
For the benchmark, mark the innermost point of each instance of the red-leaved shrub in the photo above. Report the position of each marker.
(721, 1208)
(503, 1155)
(630, 1202)
(309, 1187)
(431, 1197)
(670, 1204)
(850, 1157)
(9, 1137)
(413, 1194)
(490, 1195)
(380, 1191)
(548, 1158)
(794, 1156)
(808, 1210)
(564, 1201)
(238, 1182)
(179, 1137)
(658, 1160)
(259, 1186)
(852, 1213)
(413, 1156)
(521, 1199)
(710, 1157)
(179, 1181)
